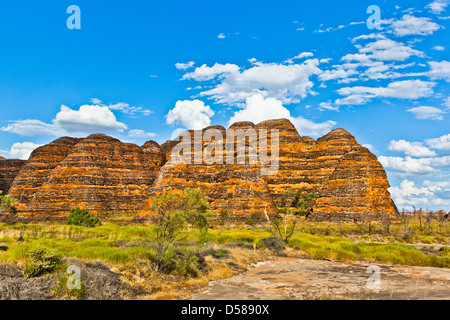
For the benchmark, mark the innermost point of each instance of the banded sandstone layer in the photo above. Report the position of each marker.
(108, 177)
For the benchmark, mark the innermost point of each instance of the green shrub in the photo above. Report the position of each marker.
(185, 262)
(62, 290)
(41, 261)
(255, 217)
(80, 217)
(8, 204)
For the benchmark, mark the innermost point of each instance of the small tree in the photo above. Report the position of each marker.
(298, 202)
(174, 212)
(284, 228)
(8, 204)
(80, 217)
(191, 204)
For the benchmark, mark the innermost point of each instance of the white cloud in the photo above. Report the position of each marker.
(439, 70)
(258, 109)
(307, 127)
(429, 113)
(370, 147)
(412, 166)
(432, 195)
(191, 114)
(287, 83)
(438, 48)
(447, 102)
(374, 60)
(410, 25)
(437, 6)
(327, 106)
(221, 36)
(96, 101)
(127, 109)
(205, 73)
(32, 127)
(88, 119)
(407, 89)
(137, 133)
(388, 50)
(20, 150)
(300, 56)
(184, 66)
(339, 73)
(441, 143)
(414, 149)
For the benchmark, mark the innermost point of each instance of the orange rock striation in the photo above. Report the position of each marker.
(108, 177)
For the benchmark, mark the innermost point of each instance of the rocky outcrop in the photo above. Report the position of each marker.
(106, 176)
(347, 178)
(8, 172)
(99, 173)
(37, 169)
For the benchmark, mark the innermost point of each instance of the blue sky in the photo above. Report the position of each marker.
(141, 70)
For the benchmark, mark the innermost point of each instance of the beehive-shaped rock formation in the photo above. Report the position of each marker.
(108, 177)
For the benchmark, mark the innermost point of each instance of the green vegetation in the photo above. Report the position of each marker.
(174, 211)
(62, 290)
(183, 246)
(8, 204)
(298, 202)
(80, 217)
(41, 261)
(121, 245)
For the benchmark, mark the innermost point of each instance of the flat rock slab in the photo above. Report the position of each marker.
(291, 278)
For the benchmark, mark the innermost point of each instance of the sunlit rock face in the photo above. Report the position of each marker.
(109, 177)
(98, 173)
(9, 168)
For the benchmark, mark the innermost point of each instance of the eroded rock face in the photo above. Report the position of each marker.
(347, 178)
(99, 174)
(106, 176)
(8, 172)
(37, 169)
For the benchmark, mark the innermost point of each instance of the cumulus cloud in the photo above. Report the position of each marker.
(410, 25)
(191, 114)
(428, 195)
(122, 107)
(258, 109)
(374, 60)
(414, 166)
(441, 143)
(327, 106)
(438, 48)
(407, 89)
(31, 127)
(184, 66)
(338, 73)
(447, 102)
(428, 113)
(20, 150)
(287, 83)
(137, 133)
(300, 56)
(414, 149)
(205, 73)
(88, 119)
(438, 6)
(439, 70)
(385, 50)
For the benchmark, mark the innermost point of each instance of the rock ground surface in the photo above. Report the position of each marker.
(292, 278)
